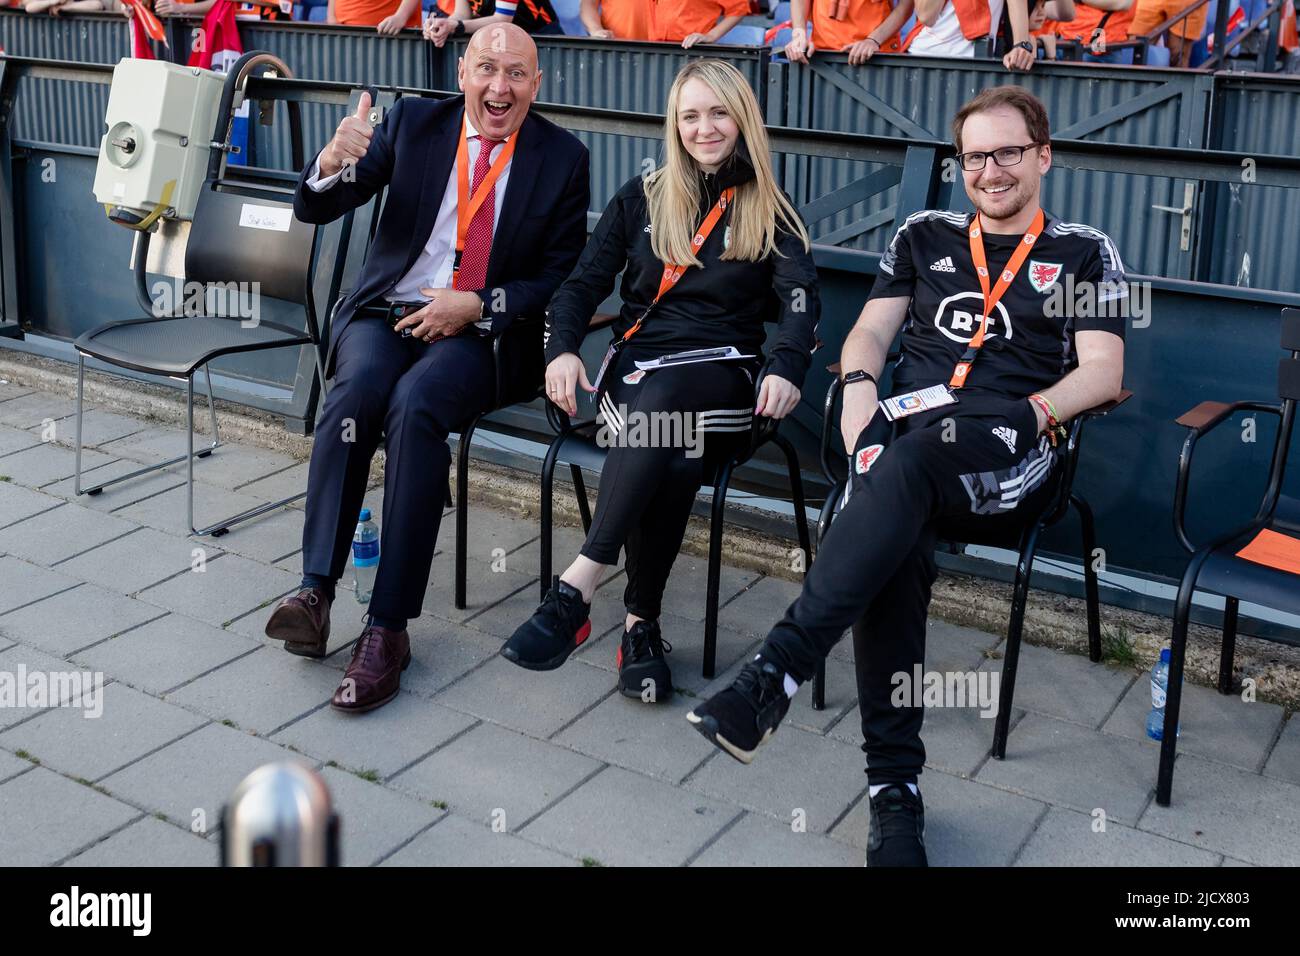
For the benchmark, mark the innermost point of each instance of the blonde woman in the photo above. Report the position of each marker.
(710, 250)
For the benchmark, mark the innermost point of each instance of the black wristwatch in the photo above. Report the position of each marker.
(1026, 45)
(460, 28)
(859, 375)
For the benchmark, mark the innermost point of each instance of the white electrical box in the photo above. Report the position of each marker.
(160, 122)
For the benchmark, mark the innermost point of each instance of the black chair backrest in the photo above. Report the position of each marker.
(1288, 369)
(242, 238)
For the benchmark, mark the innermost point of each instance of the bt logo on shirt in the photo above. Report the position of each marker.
(959, 317)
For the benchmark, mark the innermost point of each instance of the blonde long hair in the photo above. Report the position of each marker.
(673, 190)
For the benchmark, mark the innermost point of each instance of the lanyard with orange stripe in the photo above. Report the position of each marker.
(668, 279)
(467, 205)
(992, 297)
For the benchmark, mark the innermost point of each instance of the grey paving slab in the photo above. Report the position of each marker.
(280, 484)
(14, 439)
(537, 703)
(164, 653)
(1229, 811)
(1068, 765)
(45, 817)
(966, 823)
(759, 841)
(190, 779)
(229, 466)
(12, 765)
(384, 740)
(689, 581)
(117, 496)
(565, 544)
(260, 692)
(957, 740)
(798, 775)
(644, 737)
(60, 533)
(24, 411)
(11, 390)
(1284, 761)
(455, 841)
(166, 510)
(374, 821)
(1066, 686)
(18, 503)
(483, 588)
(494, 775)
(441, 654)
(130, 725)
(133, 562)
(70, 620)
(759, 606)
(1069, 838)
(43, 678)
(22, 583)
(48, 462)
(229, 586)
(1221, 727)
(671, 824)
(492, 534)
(98, 426)
(841, 698)
(267, 538)
(150, 842)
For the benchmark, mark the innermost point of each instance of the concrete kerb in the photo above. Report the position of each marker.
(1051, 620)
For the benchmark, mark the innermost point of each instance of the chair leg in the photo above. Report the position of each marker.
(580, 490)
(715, 570)
(1020, 596)
(1090, 577)
(1229, 645)
(548, 482)
(212, 413)
(462, 511)
(805, 542)
(81, 379)
(823, 525)
(1174, 692)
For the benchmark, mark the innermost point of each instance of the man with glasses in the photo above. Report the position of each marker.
(967, 431)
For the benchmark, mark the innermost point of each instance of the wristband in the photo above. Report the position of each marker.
(859, 375)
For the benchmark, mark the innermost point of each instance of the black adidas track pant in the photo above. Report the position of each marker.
(655, 468)
(876, 566)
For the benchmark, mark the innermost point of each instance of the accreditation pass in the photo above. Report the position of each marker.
(922, 400)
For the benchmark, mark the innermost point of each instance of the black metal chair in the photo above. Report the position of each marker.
(222, 253)
(576, 442)
(1219, 565)
(1018, 531)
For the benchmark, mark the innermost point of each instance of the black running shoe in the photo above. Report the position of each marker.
(897, 828)
(642, 670)
(744, 715)
(556, 630)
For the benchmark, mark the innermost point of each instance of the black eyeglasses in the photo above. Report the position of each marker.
(1006, 156)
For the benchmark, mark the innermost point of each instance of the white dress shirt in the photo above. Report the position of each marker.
(432, 268)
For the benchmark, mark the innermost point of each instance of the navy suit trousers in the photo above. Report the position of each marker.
(412, 395)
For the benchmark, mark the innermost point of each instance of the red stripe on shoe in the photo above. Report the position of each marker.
(584, 632)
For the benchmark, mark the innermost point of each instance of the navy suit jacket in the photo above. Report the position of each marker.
(541, 231)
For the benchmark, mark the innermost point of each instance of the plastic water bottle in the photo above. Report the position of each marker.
(365, 556)
(1159, 688)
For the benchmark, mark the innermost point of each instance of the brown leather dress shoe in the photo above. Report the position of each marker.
(302, 621)
(375, 671)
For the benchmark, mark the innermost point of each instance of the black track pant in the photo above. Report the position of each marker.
(667, 430)
(876, 566)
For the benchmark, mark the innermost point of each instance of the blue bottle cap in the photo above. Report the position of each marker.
(1164, 655)
(365, 515)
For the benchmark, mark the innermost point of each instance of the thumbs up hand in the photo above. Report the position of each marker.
(351, 140)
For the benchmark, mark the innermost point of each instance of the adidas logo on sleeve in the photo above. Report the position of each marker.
(943, 265)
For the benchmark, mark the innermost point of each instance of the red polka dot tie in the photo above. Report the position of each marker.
(472, 274)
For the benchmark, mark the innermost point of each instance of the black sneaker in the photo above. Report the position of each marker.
(556, 630)
(744, 715)
(642, 670)
(897, 828)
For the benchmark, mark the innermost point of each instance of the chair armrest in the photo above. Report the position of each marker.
(828, 423)
(1105, 408)
(601, 320)
(1200, 421)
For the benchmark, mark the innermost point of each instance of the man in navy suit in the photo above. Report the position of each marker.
(485, 215)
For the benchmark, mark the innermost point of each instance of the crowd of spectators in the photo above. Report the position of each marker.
(1100, 31)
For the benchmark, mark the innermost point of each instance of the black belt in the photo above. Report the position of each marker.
(390, 312)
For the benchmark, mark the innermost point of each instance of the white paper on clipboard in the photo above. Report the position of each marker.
(726, 354)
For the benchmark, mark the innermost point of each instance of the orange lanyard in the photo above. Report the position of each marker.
(674, 272)
(467, 205)
(991, 298)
